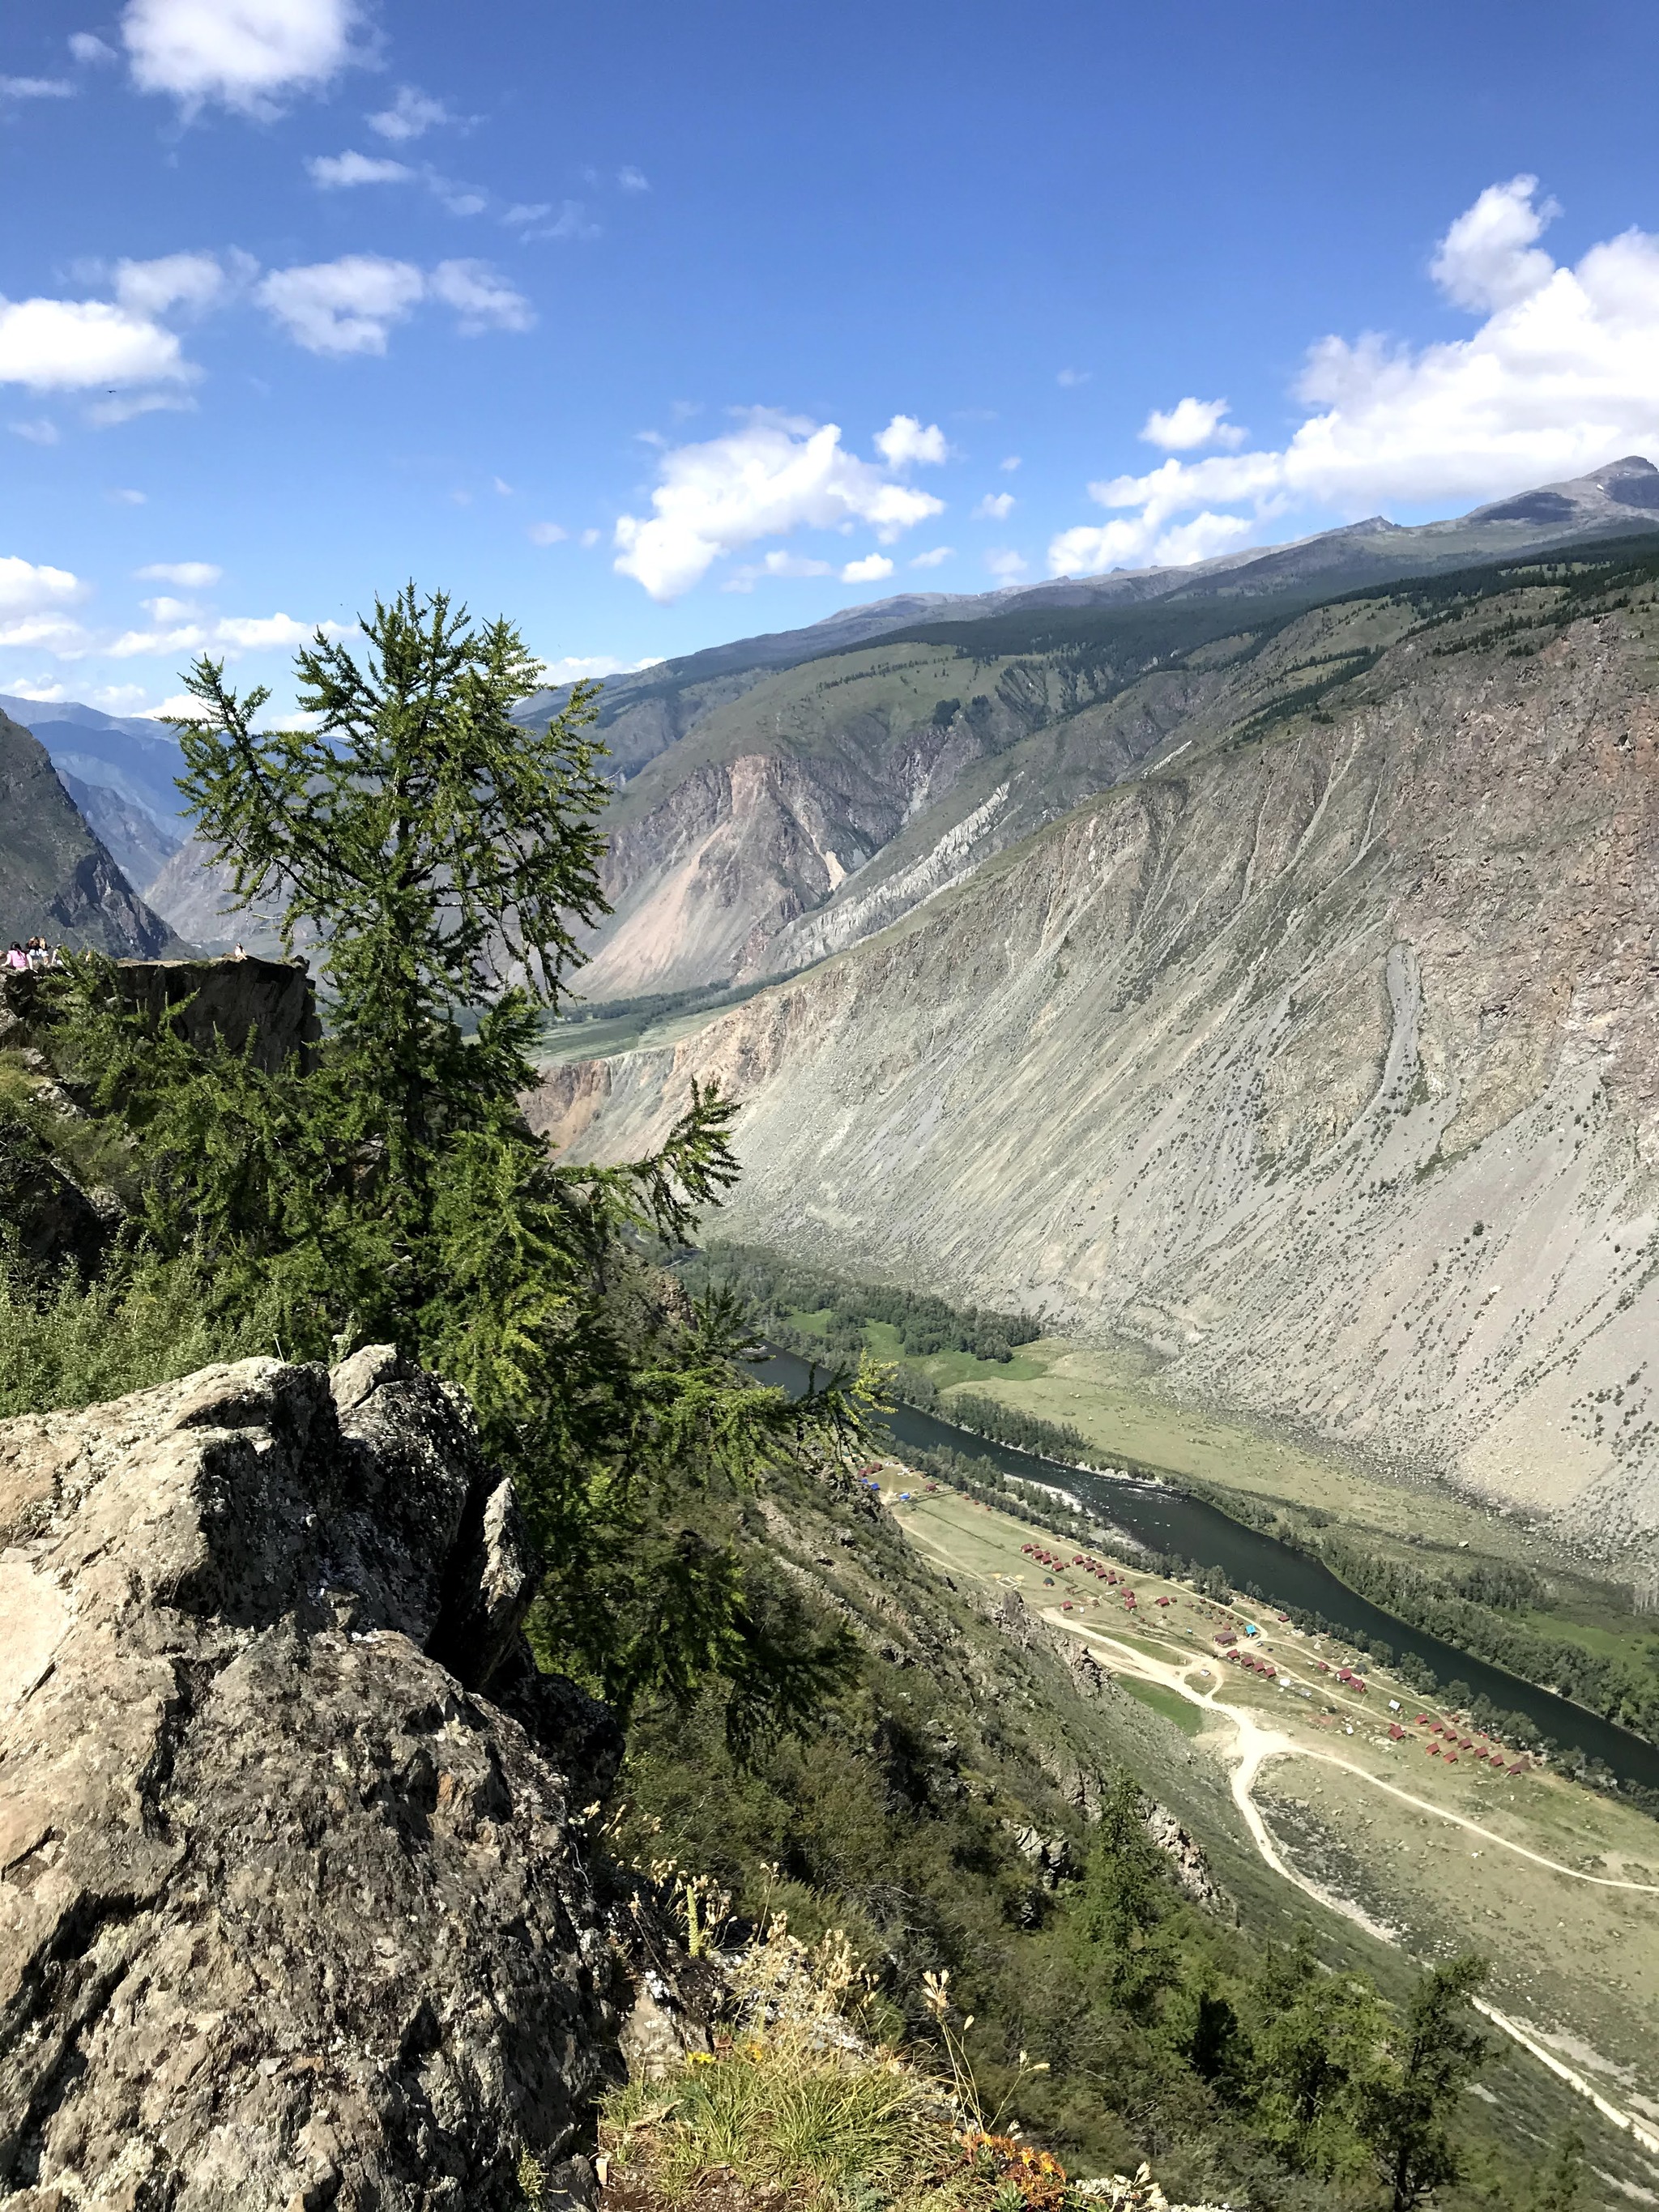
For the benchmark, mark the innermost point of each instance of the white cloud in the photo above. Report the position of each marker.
(904, 440)
(483, 300)
(1010, 463)
(59, 345)
(244, 53)
(1003, 562)
(592, 537)
(90, 50)
(260, 632)
(1557, 379)
(150, 288)
(53, 633)
(189, 575)
(1489, 257)
(35, 88)
(233, 633)
(571, 222)
(776, 564)
(546, 534)
(632, 179)
(1069, 378)
(1191, 422)
(351, 306)
(775, 474)
(26, 587)
(870, 570)
(105, 413)
(184, 703)
(39, 430)
(124, 497)
(934, 557)
(342, 306)
(339, 172)
(411, 115)
(995, 507)
(574, 667)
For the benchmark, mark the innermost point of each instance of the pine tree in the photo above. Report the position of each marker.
(1405, 2106)
(447, 856)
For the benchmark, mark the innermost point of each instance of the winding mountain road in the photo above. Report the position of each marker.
(1257, 1745)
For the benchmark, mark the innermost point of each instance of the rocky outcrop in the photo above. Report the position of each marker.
(293, 1905)
(56, 1224)
(216, 1004)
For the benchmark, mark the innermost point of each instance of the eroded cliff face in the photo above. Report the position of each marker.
(292, 1909)
(1326, 1062)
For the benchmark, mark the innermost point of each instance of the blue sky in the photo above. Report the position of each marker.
(653, 324)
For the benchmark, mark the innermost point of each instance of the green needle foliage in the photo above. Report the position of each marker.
(447, 856)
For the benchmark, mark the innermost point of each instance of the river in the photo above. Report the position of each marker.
(1168, 1519)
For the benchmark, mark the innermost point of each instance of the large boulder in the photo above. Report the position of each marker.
(293, 1911)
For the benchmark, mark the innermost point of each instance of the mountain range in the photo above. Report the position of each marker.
(1255, 962)
(1262, 973)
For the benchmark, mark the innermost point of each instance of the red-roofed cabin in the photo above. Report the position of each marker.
(1164, 1601)
(1396, 1734)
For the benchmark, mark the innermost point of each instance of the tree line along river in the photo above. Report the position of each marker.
(1167, 1519)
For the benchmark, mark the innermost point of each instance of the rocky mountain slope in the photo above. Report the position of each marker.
(811, 787)
(1322, 1054)
(57, 879)
(119, 770)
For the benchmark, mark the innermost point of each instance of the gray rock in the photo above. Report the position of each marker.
(56, 1224)
(289, 1913)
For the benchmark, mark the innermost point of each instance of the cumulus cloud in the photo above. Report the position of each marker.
(632, 179)
(1191, 422)
(995, 507)
(1558, 378)
(245, 53)
(870, 570)
(35, 88)
(342, 306)
(776, 564)
(933, 558)
(411, 115)
(27, 586)
(336, 173)
(90, 50)
(483, 300)
(351, 305)
(1002, 561)
(905, 440)
(193, 281)
(1010, 463)
(1490, 257)
(546, 534)
(70, 345)
(773, 475)
(34, 603)
(188, 575)
(231, 633)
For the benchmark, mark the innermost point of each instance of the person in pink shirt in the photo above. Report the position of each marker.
(16, 957)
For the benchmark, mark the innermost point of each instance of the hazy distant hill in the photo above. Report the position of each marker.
(57, 879)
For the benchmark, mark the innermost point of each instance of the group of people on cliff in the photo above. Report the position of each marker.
(35, 955)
